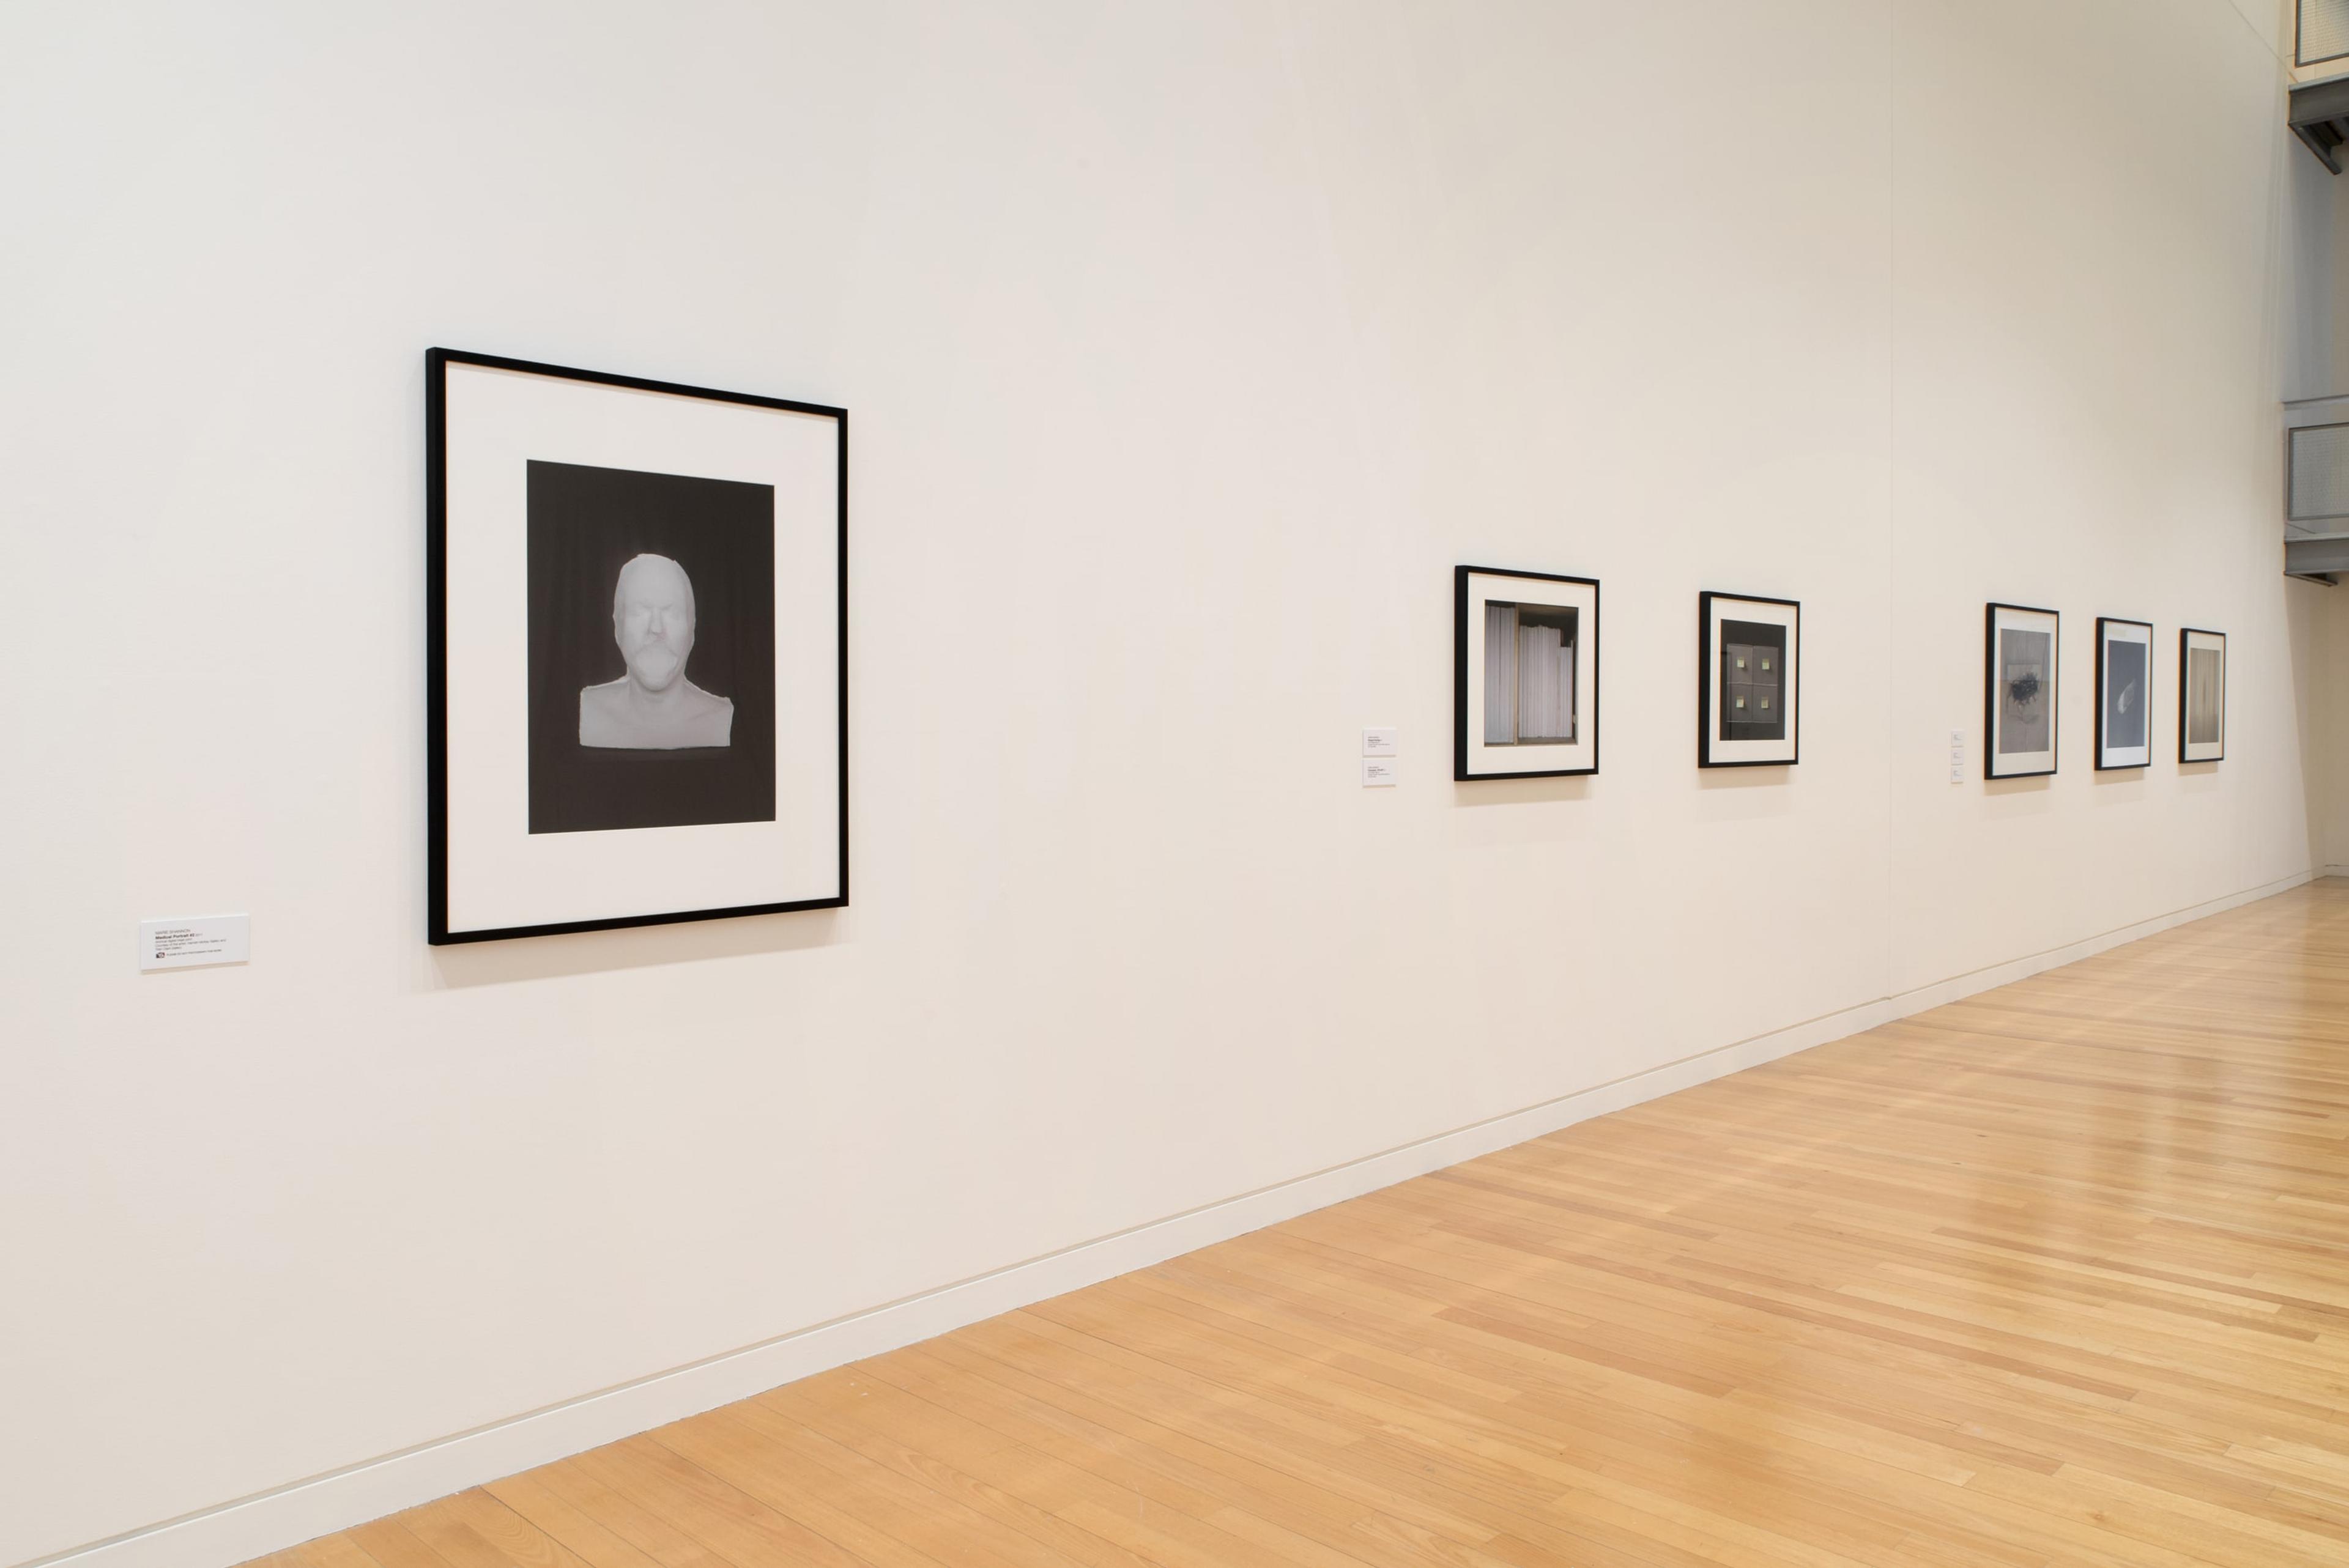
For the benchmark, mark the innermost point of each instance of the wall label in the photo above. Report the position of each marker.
(186, 943)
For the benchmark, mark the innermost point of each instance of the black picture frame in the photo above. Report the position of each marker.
(1705, 655)
(2186, 636)
(2104, 742)
(1990, 772)
(437, 362)
(1461, 662)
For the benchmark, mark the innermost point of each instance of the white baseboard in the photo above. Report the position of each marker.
(1959, 987)
(271, 1521)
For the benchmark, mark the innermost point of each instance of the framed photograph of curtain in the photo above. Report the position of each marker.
(2019, 694)
(2201, 696)
(1748, 660)
(2124, 693)
(1525, 693)
(637, 651)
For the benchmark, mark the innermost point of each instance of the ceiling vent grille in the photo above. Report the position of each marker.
(2322, 32)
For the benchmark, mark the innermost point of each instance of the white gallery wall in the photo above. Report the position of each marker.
(1188, 347)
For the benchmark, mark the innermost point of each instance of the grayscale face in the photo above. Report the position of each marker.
(652, 620)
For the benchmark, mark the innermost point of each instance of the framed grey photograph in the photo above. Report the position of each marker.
(637, 651)
(2124, 693)
(1749, 657)
(1524, 669)
(2201, 696)
(2020, 690)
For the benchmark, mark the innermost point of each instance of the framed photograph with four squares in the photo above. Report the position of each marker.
(637, 651)
(1524, 673)
(2019, 692)
(1749, 657)
(2201, 696)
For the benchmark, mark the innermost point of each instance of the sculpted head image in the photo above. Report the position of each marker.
(653, 708)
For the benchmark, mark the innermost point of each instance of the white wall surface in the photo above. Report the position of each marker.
(1188, 346)
(2084, 418)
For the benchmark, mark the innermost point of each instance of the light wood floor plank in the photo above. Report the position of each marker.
(2055, 1276)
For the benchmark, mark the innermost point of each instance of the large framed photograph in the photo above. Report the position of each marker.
(637, 645)
(2020, 690)
(1524, 673)
(1749, 656)
(2124, 693)
(2201, 696)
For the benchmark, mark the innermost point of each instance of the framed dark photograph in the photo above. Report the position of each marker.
(2124, 693)
(2019, 692)
(637, 645)
(1749, 656)
(2201, 696)
(1524, 673)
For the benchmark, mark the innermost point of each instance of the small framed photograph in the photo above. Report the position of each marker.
(1525, 693)
(636, 647)
(2201, 696)
(1748, 660)
(2124, 693)
(2020, 690)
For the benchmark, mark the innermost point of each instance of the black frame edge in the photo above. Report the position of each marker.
(1990, 691)
(2184, 632)
(435, 646)
(436, 657)
(2097, 696)
(635, 383)
(1460, 574)
(1460, 675)
(1704, 686)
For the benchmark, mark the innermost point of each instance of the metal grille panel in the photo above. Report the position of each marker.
(2324, 32)
(2320, 473)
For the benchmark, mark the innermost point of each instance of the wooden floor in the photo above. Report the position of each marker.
(2059, 1274)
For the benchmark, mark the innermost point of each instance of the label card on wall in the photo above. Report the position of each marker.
(1378, 773)
(186, 943)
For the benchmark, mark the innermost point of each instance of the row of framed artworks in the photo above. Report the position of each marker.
(1526, 683)
(1525, 676)
(636, 658)
(2020, 689)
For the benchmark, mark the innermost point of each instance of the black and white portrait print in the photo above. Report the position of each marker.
(637, 651)
(655, 707)
(651, 649)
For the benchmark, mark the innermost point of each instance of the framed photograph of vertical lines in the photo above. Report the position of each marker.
(2124, 693)
(2201, 696)
(1748, 660)
(2019, 692)
(1524, 673)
